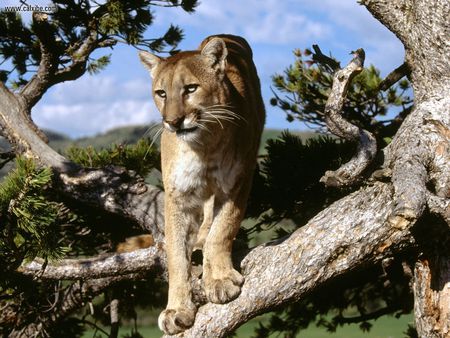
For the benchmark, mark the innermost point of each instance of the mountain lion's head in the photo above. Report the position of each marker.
(191, 90)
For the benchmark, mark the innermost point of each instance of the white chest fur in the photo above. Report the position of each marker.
(189, 171)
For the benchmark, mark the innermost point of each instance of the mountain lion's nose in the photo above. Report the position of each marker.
(175, 123)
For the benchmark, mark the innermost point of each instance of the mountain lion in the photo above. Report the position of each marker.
(213, 116)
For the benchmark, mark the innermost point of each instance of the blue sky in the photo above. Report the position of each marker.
(120, 95)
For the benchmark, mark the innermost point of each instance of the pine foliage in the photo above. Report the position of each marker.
(302, 91)
(29, 220)
(141, 157)
(70, 24)
(287, 184)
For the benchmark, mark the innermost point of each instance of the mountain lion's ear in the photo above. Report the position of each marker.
(150, 61)
(217, 52)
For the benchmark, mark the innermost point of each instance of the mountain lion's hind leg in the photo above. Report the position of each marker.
(208, 216)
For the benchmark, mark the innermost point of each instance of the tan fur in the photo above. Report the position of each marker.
(207, 171)
(135, 243)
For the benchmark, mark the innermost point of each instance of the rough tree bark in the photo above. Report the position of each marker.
(423, 28)
(363, 228)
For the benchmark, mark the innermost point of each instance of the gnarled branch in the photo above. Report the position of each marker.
(113, 189)
(143, 260)
(351, 233)
(350, 172)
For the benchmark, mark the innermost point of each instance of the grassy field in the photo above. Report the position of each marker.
(385, 327)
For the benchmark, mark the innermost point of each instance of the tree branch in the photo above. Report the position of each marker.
(114, 315)
(351, 233)
(394, 76)
(432, 296)
(7, 98)
(40, 82)
(70, 299)
(23, 135)
(79, 59)
(143, 260)
(350, 172)
(113, 189)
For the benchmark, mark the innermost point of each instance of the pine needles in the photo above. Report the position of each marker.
(29, 221)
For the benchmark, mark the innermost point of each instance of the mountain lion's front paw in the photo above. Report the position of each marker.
(225, 289)
(173, 321)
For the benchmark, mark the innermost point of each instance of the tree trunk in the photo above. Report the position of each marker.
(432, 296)
(424, 29)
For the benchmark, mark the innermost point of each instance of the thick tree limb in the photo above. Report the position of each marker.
(22, 133)
(350, 172)
(420, 153)
(143, 260)
(351, 233)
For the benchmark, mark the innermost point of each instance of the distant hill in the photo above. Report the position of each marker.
(127, 135)
(122, 135)
(131, 134)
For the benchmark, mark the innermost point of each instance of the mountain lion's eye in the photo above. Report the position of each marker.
(161, 93)
(189, 89)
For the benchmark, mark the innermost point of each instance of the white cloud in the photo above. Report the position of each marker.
(354, 26)
(95, 104)
(270, 21)
(284, 28)
(87, 119)
(99, 88)
(275, 28)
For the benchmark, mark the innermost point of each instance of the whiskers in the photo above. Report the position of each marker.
(221, 114)
(153, 132)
